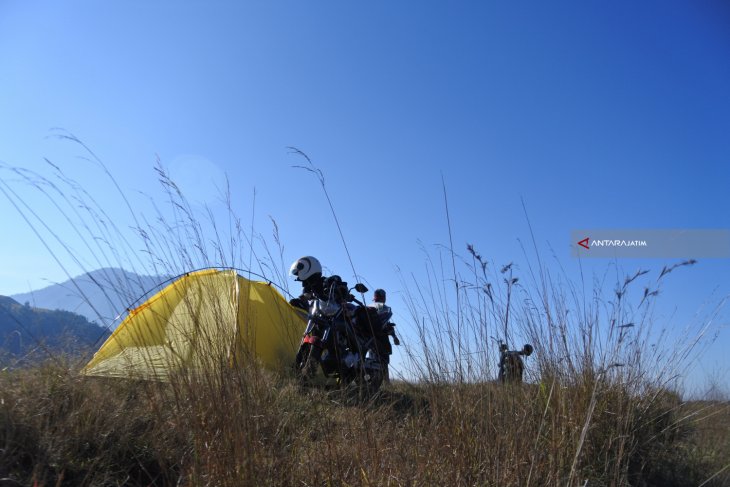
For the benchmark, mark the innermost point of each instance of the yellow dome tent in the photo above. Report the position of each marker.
(202, 321)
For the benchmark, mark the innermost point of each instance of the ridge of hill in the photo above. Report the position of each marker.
(100, 295)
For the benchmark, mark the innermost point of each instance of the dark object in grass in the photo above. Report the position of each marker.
(511, 366)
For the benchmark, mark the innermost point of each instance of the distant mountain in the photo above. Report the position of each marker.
(31, 334)
(100, 295)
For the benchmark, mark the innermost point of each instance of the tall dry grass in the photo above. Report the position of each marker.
(600, 405)
(244, 427)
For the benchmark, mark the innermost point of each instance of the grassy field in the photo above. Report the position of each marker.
(247, 427)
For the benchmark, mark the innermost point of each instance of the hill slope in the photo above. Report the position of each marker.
(26, 330)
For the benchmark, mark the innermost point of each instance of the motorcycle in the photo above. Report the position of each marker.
(511, 365)
(345, 340)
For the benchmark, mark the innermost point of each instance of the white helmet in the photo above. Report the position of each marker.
(305, 267)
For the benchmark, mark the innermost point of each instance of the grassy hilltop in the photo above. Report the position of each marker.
(245, 427)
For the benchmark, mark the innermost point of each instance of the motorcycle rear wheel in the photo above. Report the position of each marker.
(368, 384)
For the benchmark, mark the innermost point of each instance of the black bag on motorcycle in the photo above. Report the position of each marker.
(367, 322)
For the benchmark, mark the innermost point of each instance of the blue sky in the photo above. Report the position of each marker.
(597, 115)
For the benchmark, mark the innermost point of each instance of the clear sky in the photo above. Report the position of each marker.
(596, 114)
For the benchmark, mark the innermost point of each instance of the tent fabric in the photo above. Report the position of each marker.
(202, 321)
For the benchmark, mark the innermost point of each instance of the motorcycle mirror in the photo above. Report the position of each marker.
(361, 288)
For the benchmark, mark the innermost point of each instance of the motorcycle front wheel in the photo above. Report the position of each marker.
(306, 363)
